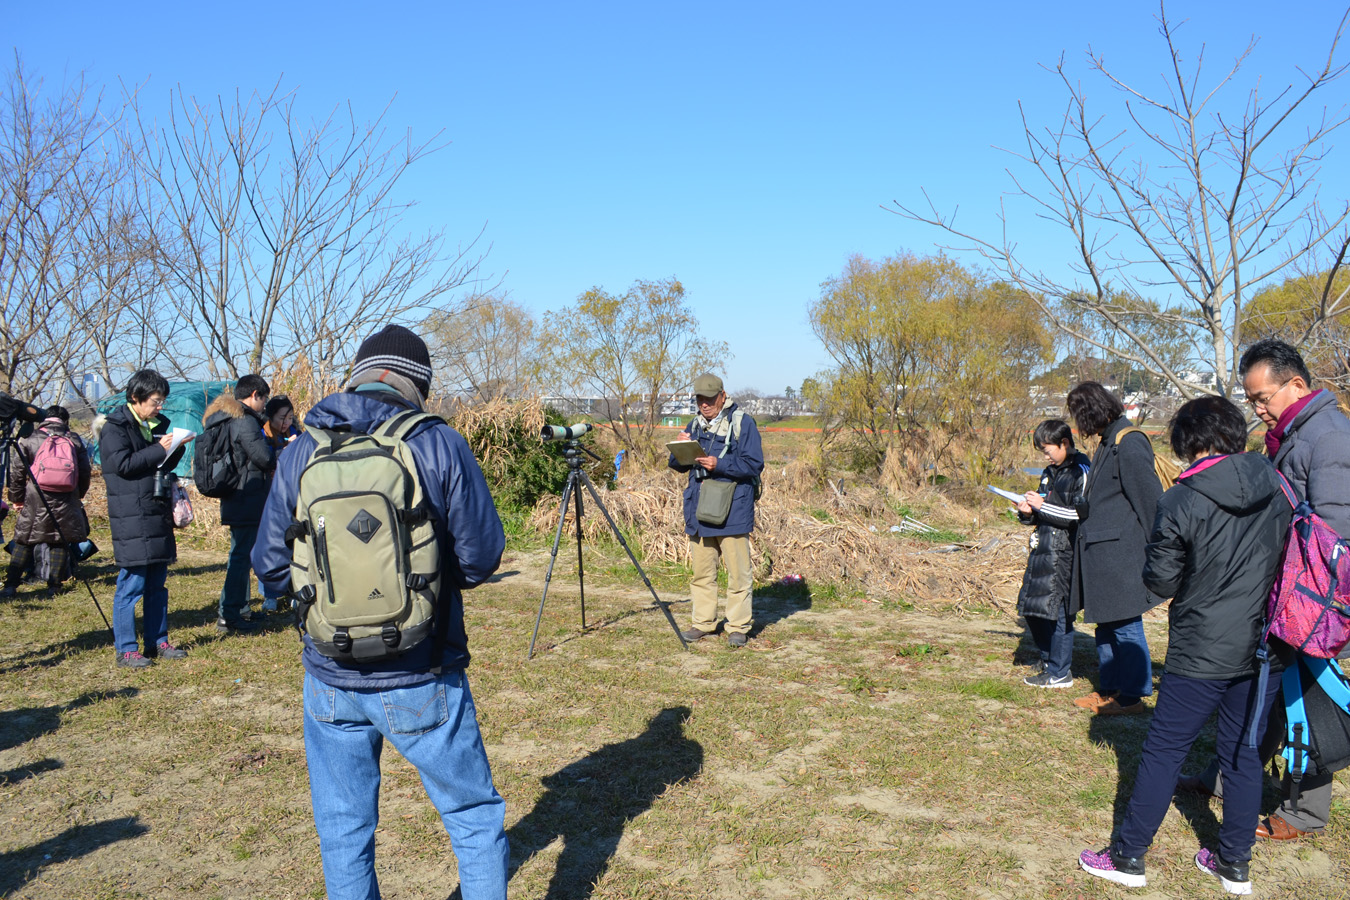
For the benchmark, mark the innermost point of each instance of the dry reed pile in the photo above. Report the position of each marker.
(848, 549)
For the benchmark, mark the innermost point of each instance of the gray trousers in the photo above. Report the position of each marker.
(1314, 796)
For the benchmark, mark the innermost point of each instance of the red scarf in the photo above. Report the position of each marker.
(1275, 436)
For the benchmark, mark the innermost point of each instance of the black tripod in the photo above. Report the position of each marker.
(10, 443)
(577, 476)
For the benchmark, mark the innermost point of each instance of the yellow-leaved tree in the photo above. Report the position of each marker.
(933, 366)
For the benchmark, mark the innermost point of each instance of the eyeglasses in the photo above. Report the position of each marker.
(706, 401)
(156, 402)
(1264, 402)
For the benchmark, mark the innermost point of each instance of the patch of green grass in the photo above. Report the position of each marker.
(989, 689)
(860, 684)
(821, 515)
(919, 651)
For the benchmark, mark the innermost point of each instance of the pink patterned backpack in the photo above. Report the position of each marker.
(1308, 602)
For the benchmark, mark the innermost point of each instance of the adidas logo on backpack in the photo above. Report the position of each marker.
(365, 560)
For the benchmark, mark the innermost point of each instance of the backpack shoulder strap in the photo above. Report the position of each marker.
(1133, 429)
(1331, 680)
(399, 426)
(1287, 488)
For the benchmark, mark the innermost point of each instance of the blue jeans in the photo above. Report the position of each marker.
(133, 583)
(1184, 705)
(1122, 658)
(1054, 639)
(238, 571)
(434, 726)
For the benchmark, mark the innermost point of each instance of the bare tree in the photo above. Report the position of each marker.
(485, 350)
(1178, 196)
(636, 350)
(280, 237)
(69, 258)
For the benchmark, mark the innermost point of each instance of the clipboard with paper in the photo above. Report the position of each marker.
(685, 452)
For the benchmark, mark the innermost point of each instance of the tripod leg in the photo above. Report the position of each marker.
(665, 607)
(553, 558)
(581, 575)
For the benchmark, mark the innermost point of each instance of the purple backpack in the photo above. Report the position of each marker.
(1308, 602)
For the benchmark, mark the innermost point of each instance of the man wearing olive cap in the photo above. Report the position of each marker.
(719, 508)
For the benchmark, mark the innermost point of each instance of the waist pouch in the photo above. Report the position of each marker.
(714, 501)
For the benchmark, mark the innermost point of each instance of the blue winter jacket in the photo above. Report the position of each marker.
(467, 527)
(744, 460)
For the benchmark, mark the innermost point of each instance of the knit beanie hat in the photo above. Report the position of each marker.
(398, 350)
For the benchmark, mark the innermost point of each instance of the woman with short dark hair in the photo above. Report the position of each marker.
(1116, 516)
(134, 445)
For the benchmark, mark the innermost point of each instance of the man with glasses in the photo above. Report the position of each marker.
(242, 509)
(1308, 439)
(719, 509)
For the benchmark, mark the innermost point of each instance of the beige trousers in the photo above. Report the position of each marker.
(734, 552)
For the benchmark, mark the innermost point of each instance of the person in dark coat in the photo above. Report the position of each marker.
(134, 445)
(279, 428)
(60, 521)
(1215, 548)
(1053, 509)
(733, 456)
(1115, 517)
(242, 508)
(1308, 439)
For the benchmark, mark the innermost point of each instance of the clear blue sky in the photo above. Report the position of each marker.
(745, 147)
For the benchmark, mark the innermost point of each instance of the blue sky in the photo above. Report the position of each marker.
(746, 148)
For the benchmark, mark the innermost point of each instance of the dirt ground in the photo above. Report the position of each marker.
(876, 752)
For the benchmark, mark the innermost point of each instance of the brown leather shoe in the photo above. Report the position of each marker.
(1277, 829)
(1093, 700)
(1113, 708)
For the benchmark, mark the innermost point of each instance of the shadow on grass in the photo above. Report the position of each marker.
(779, 600)
(18, 726)
(589, 802)
(18, 867)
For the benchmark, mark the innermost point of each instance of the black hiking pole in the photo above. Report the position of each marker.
(576, 476)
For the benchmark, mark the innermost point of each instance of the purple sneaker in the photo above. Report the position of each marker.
(1106, 863)
(1233, 876)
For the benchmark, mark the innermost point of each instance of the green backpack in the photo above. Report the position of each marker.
(365, 560)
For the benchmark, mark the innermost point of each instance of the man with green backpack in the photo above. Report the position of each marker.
(378, 519)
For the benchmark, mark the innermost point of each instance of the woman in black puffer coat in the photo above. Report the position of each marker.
(134, 444)
(1052, 508)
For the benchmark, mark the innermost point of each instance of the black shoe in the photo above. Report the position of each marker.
(133, 660)
(1233, 876)
(8, 591)
(241, 626)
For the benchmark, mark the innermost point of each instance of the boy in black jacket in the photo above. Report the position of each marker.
(1044, 598)
(1215, 549)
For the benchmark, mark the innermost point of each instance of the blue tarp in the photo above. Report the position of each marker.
(185, 406)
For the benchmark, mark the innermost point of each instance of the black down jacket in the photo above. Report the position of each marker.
(142, 526)
(1215, 549)
(254, 456)
(1045, 586)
